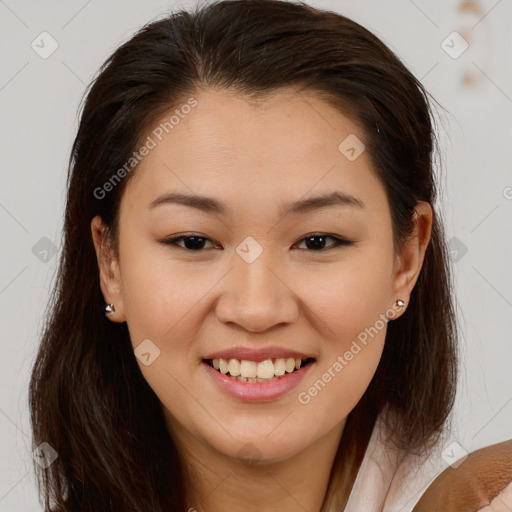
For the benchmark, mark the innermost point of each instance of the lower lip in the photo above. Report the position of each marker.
(257, 391)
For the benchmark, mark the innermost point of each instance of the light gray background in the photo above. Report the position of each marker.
(39, 100)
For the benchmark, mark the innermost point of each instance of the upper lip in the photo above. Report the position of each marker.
(251, 354)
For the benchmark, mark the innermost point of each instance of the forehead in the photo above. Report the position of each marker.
(281, 126)
(285, 143)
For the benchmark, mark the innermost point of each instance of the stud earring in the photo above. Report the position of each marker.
(110, 309)
(400, 303)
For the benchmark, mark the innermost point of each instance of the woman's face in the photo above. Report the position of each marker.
(254, 279)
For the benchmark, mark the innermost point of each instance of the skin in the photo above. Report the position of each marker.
(255, 157)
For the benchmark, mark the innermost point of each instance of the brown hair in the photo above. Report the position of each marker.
(88, 398)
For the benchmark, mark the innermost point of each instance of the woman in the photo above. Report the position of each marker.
(254, 301)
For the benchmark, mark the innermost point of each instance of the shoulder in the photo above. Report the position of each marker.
(485, 475)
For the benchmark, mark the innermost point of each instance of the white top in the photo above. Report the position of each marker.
(388, 482)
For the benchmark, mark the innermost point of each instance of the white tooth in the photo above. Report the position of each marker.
(279, 367)
(247, 368)
(234, 367)
(298, 363)
(216, 364)
(290, 364)
(265, 369)
(223, 365)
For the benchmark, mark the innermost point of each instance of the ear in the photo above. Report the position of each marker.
(108, 266)
(409, 262)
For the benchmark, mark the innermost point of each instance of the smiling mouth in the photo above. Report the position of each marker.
(262, 371)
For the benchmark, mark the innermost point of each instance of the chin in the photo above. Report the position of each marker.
(259, 449)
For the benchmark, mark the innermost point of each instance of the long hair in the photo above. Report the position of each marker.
(88, 399)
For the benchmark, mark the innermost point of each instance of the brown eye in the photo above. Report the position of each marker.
(316, 242)
(191, 242)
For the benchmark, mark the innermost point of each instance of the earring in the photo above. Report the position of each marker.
(400, 303)
(109, 309)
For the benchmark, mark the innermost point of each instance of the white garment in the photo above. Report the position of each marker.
(384, 484)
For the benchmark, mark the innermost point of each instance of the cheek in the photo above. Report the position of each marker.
(157, 292)
(350, 297)
(349, 307)
(352, 340)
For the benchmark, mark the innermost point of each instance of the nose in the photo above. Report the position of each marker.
(255, 297)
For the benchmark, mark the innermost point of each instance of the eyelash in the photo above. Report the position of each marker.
(338, 241)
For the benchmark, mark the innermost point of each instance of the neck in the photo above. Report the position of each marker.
(218, 483)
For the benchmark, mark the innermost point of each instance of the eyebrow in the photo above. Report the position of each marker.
(299, 207)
